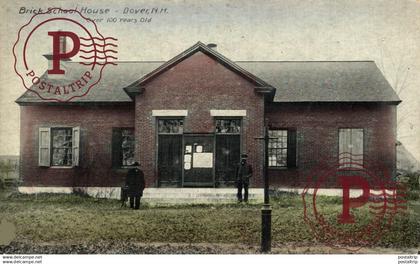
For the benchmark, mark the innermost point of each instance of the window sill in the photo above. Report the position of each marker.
(126, 167)
(281, 168)
(353, 168)
(61, 167)
(121, 169)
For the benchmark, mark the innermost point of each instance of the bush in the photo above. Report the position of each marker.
(411, 181)
(414, 180)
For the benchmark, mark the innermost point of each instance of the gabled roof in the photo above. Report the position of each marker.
(294, 81)
(200, 47)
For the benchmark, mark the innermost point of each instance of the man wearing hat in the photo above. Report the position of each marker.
(135, 183)
(243, 173)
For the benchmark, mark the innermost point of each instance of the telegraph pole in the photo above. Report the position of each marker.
(266, 209)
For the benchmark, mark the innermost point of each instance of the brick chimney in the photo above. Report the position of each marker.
(213, 46)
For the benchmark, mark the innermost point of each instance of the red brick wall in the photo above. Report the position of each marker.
(96, 124)
(317, 135)
(198, 84)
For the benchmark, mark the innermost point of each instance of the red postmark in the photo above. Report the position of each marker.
(370, 199)
(60, 54)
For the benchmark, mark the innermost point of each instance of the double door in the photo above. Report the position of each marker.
(198, 163)
(197, 160)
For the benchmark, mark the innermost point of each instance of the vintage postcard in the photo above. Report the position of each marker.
(209, 127)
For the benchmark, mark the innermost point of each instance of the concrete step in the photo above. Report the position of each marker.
(195, 195)
(182, 195)
(158, 195)
(198, 195)
(193, 201)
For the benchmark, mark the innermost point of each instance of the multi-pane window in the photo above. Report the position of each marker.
(277, 148)
(61, 147)
(170, 126)
(127, 146)
(282, 145)
(350, 147)
(58, 146)
(228, 126)
(123, 145)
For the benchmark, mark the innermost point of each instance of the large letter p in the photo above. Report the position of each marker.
(346, 183)
(57, 55)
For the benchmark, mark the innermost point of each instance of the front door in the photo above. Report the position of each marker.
(228, 150)
(170, 160)
(198, 161)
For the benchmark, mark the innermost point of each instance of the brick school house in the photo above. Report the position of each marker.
(188, 119)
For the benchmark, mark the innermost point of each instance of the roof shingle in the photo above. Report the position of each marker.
(324, 81)
(295, 81)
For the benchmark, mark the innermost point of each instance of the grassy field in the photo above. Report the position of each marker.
(75, 220)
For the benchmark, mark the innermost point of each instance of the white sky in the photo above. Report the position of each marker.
(387, 32)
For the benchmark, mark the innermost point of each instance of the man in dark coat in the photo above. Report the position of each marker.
(135, 183)
(243, 173)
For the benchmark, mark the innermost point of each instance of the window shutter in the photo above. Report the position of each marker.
(116, 148)
(291, 148)
(75, 146)
(44, 146)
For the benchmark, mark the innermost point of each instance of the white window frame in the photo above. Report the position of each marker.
(270, 146)
(227, 113)
(45, 146)
(170, 112)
